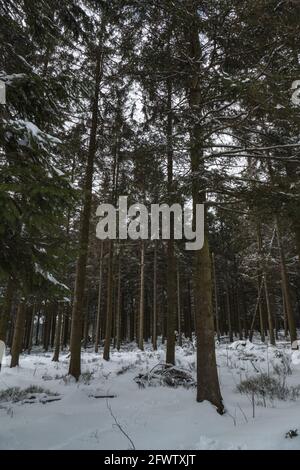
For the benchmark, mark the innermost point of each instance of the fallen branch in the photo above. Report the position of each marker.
(103, 396)
(166, 374)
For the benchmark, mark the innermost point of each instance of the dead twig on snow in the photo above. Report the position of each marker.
(119, 425)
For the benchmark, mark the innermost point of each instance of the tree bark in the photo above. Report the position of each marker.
(77, 313)
(171, 265)
(286, 286)
(261, 312)
(260, 279)
(86, 325)
(142, 297)
(30, 328)
(37, 330)
(228, 309)
(47, 326)
(18, 334)
(99, 300)
(179, 308)
(285, 323)
(6, 309)
(269, 311)
(118, 307)
(109, 309)
(216, 296)
(207, 376)
(292, 171)
(284, 274)
(154, 330)
(263, 274)
(58, 333)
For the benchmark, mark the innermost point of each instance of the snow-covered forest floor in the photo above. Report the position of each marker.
(64, 414)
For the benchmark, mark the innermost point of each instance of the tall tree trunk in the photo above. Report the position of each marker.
(109, 306)
(292, 171)
(228, 310)
(47, 326)
(142, 297)
(259, 282)
(285, 323)
(154, 330)
(261, 311)
(256, 309)
(37, 330)
(77, 313)
(216, 295)
(286, 287)
(188, 319)
(58, 333)
(284, 274)
(86, 321)
(244, 309)
(207, 376)
(179, 307)
(237, 307)
(18, 334)
(171, 265)
(53, 327)
(30, 328)
(6, 310)
(269, 311)
(118, 306)
(98, 321)
(263, 274)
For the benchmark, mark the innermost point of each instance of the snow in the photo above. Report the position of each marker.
(9, 79)
(2, 350)
(36, 133)
(154, 417)
(49, 277)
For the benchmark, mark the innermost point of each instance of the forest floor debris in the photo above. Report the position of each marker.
(31, 394)
(168, 375)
